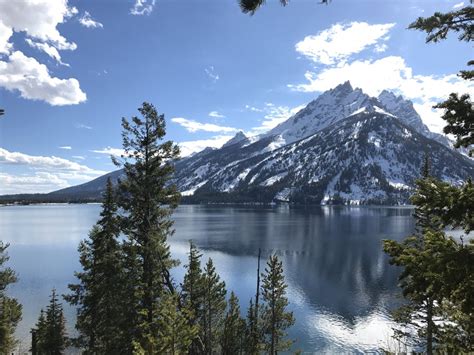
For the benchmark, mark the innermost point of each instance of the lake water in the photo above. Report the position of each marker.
(340, 284)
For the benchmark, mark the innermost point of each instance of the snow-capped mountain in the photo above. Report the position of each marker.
(405, 111)
(344, 147)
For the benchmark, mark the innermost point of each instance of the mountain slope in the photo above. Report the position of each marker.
(370, 157)
(343, 147)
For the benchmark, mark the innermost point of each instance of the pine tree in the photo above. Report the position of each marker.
(38, 335)
(98, 295)
(175, 331)
(193, 294)
(252, 331)
(50, 336)
(147, 200)
(437, 276)
(275, 318)
(232, 339)
(214, 308)
(10, 309)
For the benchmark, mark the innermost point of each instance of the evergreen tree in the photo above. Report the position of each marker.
(10, 309)
(39, 335)
(459, 110)
(214, 308)
(421, 290)
(275, 318)
(147, 200)
(50, 336)
(175, 331)
(232, 339)
(98, 295)
(437, 276)
(193, 295)
(252, 331)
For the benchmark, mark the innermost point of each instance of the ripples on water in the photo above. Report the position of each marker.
(340, 285)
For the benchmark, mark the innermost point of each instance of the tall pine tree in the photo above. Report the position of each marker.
(99, 296)
(193, 295)
(275, 318)
(50, 336)
(175, 331)
(147, 200)
(214, 308)
(233, 334)
(10, 309)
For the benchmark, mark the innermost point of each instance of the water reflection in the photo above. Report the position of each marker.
(340, 284)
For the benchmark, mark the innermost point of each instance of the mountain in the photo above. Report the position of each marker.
(369, 157)
(405, 111)
(239, 138)
(343, 147)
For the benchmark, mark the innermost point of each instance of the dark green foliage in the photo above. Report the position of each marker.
(251, 6)
(253, 336)
(193, 295)
(446, 205)
(175, 332)
(98, 295)
(213, 308)
(275, 318)
(49, 336)
(459, 115)
(232, 339)
(438, 282)
(147, 201)
(439, 25)
(458, 110)
(10, 309)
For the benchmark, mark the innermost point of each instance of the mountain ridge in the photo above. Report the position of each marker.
(348, 147)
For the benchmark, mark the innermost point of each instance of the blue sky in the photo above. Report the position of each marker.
(69, 70)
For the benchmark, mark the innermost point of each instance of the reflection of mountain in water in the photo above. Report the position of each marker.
(332, 255)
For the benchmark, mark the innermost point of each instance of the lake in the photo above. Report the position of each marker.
(340, 284)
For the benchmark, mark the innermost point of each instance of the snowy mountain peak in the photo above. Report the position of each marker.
(238, 138)
(327, 109)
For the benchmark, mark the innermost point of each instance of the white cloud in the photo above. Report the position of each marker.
(337, 43)
(5, 34)
(380, 48)
(252, 108)
(38, 21)
(66, 147)
(216, 114)
(33, 80)
(80, 157)
(33, 183)
(194, 126)
(189, 147)
(142, 7)
(117, 152)
(458, 5)
(82, 126)
(211, 73)
(87, 21)
(49, 50)
(42, 173)
(390, 72)
(273, 116)
(44, 162)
